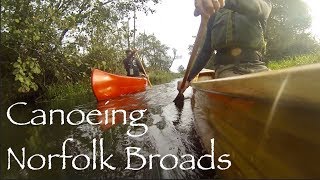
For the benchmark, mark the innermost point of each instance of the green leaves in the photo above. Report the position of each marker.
(66, 38)
(36, 70)
(154, 52)
(287, 29)
(36, 38)
(24, 71)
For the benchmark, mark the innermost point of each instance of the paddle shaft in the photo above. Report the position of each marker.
(144, 71)
(134, 46)
(200, 36)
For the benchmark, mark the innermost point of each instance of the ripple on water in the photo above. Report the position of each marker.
(171, 131)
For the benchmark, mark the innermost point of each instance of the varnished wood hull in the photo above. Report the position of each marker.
(269, 123)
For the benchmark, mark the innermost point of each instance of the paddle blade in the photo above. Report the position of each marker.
(179, 100)
(201, 34)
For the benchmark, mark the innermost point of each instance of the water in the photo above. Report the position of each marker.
(170, 131)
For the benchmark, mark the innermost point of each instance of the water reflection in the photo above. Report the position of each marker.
(117, 111)
(170, 131)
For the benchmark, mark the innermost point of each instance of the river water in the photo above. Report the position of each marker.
(170, 131)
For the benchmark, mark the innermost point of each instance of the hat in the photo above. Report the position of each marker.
(128, 50)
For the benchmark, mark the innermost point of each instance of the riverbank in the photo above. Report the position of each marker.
(294, 61)
(83, 88)
(69, 90)
(158, 77)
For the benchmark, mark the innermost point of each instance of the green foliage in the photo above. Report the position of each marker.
(294, 61)
(159, 77)
(288, 29)
(24, 72)
(52, 41)
(154, 53)
(68, 90)
(181, 69)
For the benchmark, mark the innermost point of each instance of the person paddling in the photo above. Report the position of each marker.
(132, 65)
(235, 37)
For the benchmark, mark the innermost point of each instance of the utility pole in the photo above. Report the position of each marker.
(134, 27)
(128, 37)
(143, 43)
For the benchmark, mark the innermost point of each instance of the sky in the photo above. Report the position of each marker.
(315, 13)
(173, 24)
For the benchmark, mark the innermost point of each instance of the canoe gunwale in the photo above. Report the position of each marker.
(293, 86)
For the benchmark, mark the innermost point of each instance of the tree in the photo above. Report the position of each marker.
(154, 53)
(287, 29)
(181, 69)
(44, 42)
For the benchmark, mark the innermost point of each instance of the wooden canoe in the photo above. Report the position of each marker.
(268, 122)
(106, 85)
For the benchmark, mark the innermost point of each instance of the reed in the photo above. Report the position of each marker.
(160, 77)
(67, 90)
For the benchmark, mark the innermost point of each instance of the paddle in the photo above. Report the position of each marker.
(144, 71)
(201, 33)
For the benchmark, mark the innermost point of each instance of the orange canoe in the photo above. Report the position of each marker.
(106, 85)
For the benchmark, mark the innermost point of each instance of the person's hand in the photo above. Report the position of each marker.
(144, 75)
(207, 7)
(182, 89)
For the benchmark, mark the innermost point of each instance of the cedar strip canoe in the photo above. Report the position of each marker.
(268, 122)
(106, 85)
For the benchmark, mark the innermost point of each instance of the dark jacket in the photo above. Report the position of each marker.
(132, 66)
(241, 24)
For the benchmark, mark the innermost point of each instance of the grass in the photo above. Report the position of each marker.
(67, 90)
(159, 77)
(83, 88)
(294, 61)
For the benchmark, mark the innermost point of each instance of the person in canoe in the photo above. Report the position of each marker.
(235, 37)
(132, 65)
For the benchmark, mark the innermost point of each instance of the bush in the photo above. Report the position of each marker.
(159, 77)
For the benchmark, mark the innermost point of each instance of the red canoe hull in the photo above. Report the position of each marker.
(106, 85)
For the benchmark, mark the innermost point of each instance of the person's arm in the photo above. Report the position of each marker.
(257, 8)
(204, 54)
